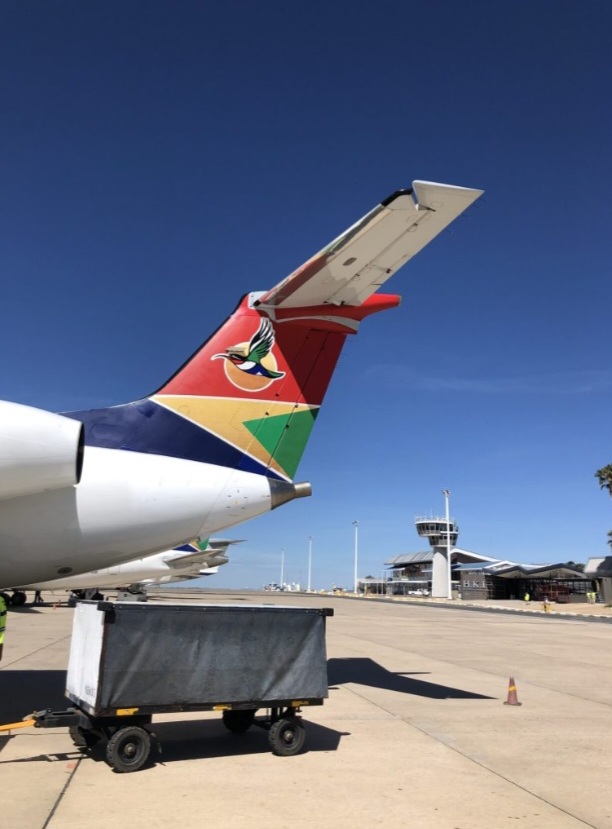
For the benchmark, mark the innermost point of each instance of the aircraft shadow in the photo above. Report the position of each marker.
(29, 608)
(364, 671)
(27, 691)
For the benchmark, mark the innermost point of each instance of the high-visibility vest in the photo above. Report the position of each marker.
(2, 619)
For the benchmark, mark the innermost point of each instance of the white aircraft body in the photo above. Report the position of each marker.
(218, 443)
(190, 561)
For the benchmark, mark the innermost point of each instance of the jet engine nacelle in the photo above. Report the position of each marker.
(214, 561)
(38, 450)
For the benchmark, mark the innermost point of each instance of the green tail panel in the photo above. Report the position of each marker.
(284, 436)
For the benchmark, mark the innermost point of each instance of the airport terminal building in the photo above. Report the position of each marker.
(476, 576)
(472, 575)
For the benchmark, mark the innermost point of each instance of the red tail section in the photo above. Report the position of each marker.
(258, 382)
(300, 339)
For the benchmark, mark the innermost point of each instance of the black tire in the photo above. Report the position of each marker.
(287, 737)
(81, 737)
(77, 736)
(239, 721)
(18, 599)
(128, 749)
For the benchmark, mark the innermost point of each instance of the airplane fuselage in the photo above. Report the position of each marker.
(150, 569)
(127, 505)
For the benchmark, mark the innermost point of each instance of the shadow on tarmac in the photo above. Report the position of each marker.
(209, 739)
(27, 608)
(364, 671)
(27, 691)
(196, 740)
(52, 757)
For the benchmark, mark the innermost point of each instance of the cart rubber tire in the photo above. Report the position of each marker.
(239, 721)
(129, 748)
(82, 737)
(76, 735)
(287, 737)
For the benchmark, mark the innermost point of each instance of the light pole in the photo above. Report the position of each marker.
(309, 560)
(282, 578)
(446, 494)
(356, 525)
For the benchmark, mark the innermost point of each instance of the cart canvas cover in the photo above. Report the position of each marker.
(186, 656)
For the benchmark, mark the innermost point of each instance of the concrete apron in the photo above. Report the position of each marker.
(414, 733)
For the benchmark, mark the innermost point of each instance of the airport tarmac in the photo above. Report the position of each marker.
(415, 732)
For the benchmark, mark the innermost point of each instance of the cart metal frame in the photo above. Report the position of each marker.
(130, 740)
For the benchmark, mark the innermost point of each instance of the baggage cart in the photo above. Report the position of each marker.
(129, 661)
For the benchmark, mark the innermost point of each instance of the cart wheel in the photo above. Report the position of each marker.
(81, 737)
(239, 721)
(129, 748)
(287, 737)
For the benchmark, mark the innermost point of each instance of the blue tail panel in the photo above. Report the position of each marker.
(145, 426)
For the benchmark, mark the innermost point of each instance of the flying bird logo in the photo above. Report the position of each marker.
(252, 366)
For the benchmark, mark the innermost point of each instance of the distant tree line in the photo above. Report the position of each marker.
(575, 565)
(604, 476)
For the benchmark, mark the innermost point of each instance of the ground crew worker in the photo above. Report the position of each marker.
(527, 598)
(2, 622)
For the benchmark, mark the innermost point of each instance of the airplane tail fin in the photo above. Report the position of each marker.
(249, 397)
(257, 384)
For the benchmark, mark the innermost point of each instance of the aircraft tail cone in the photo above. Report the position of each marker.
(281, 492)
(512, 696)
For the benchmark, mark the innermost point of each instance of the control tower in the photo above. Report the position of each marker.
(436, 531)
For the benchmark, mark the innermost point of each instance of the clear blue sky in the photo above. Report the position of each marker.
(161, 159)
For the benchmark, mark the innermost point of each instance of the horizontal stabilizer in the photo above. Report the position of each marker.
(214, 548)
(188, 559)
(366, 255)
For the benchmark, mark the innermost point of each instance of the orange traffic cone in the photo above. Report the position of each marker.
(512, 697)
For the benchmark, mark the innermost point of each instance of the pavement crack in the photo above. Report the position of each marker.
(62, 793)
